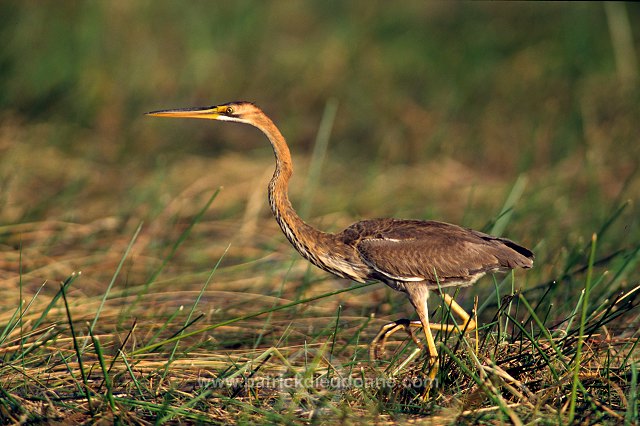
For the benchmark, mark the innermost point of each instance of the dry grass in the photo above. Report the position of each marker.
(314, 365)
(191, 307)
(301, 364)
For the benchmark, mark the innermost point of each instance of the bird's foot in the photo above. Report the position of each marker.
(376, 349)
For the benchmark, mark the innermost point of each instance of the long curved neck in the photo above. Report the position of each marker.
(302, 236)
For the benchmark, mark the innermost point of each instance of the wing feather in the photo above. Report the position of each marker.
(408, 250)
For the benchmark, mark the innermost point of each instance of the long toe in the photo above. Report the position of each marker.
(377, 347)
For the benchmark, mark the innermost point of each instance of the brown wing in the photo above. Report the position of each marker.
(408, 250)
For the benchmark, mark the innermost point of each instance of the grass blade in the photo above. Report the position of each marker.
(179, 242)
(631, 416)
(583, 320)
(115, 275)
(105, 372)
(507, 209)
(76, 347)
(319, 152)
(65, 285)
(249, 316)
(193, 308)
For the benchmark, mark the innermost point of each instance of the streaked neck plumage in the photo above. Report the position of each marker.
(325, 250)
(301, 235)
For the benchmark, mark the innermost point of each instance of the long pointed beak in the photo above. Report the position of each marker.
(210, 113)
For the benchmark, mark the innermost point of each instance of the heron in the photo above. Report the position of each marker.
(411, 256)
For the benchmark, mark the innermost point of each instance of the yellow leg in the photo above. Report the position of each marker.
(418, 297)
(468, 323)
(376, 349)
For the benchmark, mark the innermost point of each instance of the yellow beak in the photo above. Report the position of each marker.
(210, 113)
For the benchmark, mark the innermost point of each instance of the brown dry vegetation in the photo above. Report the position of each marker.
(445, 122)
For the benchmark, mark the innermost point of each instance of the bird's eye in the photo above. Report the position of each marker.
(229, 111)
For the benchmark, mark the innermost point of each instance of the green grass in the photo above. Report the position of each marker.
(143, 279)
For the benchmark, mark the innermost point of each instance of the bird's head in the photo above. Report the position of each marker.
(241, 112)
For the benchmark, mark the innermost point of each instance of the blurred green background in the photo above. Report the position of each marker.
(517, 118)
(441, 107)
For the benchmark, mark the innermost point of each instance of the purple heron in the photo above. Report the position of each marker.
(411, 256)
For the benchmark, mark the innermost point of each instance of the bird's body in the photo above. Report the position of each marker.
(412, 256)
(405, 252)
